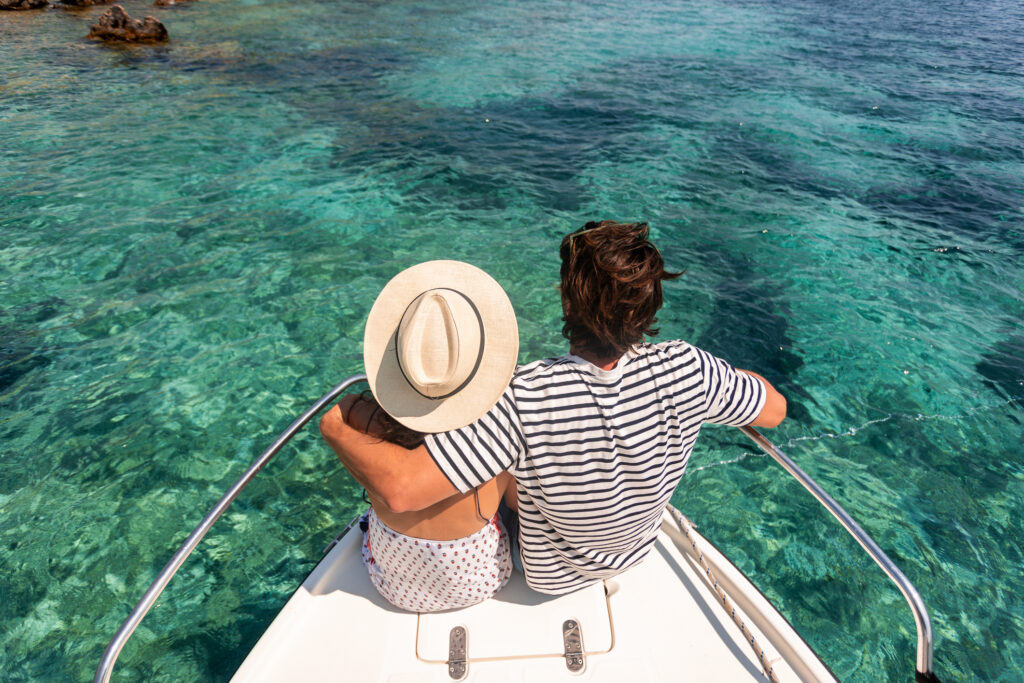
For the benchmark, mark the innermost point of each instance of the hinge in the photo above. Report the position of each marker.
(572, 641)
(457, 649)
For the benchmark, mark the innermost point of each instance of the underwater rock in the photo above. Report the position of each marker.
(115, 24)
(83, 3)
(168, 3)
(1003, 366)
(23, 4)
(21, 356)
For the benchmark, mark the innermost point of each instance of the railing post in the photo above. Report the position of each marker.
(917, 606)
(106, 666)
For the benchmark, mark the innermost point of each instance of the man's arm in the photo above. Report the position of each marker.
(774, 410)
(405, 480)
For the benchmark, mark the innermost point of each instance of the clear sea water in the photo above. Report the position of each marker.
(191, 236)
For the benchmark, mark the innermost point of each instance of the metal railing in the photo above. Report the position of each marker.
(106, 666)
(924, 624)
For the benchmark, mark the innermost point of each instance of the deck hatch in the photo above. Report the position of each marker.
(535, 621)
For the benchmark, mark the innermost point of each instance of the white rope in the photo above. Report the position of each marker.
(766, 666)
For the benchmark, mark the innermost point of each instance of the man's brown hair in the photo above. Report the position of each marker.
(611, 286)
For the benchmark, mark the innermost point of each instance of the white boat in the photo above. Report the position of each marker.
(685, 612)
(655, 622)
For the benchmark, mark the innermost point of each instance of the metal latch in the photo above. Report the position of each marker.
(572, 641)
(457, 665)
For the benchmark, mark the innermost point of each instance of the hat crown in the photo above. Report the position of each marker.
(439, 342)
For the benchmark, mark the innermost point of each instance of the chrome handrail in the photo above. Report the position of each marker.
(106, 666)
(924, 624)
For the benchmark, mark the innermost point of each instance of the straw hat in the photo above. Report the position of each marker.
(440, 346)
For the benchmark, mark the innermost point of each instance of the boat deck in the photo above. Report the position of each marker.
(659, 621)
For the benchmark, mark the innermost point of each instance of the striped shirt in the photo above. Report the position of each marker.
(596, 454)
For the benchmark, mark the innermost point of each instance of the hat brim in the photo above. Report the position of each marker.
(497, 360)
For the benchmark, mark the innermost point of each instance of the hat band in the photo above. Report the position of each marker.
(476, 365)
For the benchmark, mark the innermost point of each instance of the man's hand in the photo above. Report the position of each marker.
(352, 408)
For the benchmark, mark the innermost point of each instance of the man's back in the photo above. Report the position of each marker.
(597, 453)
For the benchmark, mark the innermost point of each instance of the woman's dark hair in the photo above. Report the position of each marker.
(611, 286)
(387, 428)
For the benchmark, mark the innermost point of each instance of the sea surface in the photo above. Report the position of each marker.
(192, 234)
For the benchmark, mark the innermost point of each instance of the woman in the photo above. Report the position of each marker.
(452, 554)
(440, 346)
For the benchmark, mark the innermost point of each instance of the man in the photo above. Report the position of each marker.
(598, 439)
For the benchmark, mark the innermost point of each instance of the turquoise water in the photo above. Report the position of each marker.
(192, 235)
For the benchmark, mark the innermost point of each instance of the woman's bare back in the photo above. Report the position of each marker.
(455, 517)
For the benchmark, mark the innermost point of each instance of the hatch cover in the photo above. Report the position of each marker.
(536, 620)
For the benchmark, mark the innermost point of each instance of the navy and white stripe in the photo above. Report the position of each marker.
(596, 453)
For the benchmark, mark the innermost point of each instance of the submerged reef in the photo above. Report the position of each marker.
(116, 25)
(1003, 366)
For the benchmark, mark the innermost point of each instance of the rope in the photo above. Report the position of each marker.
(766, 667)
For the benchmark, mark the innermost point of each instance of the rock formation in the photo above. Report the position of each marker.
(115, 24)
(167, 3)
(23, 4)
(83, 3)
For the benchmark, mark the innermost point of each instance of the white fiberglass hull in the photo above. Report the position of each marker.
(660, 621)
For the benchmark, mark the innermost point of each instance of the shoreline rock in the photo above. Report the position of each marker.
(18, 5)
(116, 25)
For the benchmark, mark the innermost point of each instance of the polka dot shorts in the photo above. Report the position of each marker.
(422, 575)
